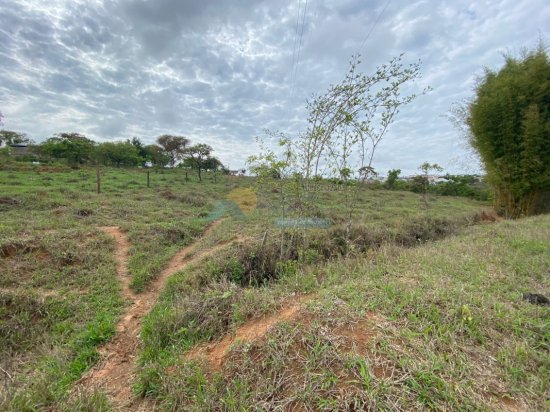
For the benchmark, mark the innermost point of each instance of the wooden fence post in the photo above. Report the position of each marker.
(148, 182)
(98, 181)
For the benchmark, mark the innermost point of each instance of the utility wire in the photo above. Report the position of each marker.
(295, 40)
(301, 41)
(373, 26)
(296, 56)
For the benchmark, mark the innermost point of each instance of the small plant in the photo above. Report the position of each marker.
(466, 314)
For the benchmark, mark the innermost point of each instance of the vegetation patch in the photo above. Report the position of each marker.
(409, 329)
(9, 201)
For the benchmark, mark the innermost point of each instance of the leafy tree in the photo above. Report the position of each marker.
(393, 175)
(509, 121)
(119, 154)
(74, 147)
(212, 163)
(419, 184)
(142, 152)
(156, 155)
(174, 147)
(9, 137)
(198, 157)
(462, 185)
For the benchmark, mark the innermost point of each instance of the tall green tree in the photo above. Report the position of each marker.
(198, 157)
(393, 175)
(156, 155)
(509, 121)
(138, 144)
(119, 154)
(174, 147)
(74, 147)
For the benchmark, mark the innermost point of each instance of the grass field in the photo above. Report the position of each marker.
(407, 309)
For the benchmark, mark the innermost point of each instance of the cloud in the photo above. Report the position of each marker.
(221, 72)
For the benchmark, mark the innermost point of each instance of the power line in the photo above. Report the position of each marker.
(373, 26)
(297, 61)
(295, 40)
(301, 39)
(296, 57)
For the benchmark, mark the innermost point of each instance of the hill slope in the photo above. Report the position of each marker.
(436, 327)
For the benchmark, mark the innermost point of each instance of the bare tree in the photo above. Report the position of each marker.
(345, 127)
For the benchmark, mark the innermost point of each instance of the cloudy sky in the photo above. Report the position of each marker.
(220, 72)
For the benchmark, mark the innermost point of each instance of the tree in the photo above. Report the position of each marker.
(393, 175)
(345, 126)
(174, 147)
(142, 152)
(213, 164)
(118, 153)
(198, 157)
(9, 137)
(156, 155)
(74, 147)
(348, 122)
(426, 168)
(509, 124)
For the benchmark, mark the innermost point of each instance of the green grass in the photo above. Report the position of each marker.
(411, 309)
(447, 320)
(59, 293)
(59, 300)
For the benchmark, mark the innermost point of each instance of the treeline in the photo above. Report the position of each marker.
(77, 150)
(450, 185)
(471, 186)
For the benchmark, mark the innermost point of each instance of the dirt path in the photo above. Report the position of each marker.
(121, 256)
(114, 373)
(249, 332)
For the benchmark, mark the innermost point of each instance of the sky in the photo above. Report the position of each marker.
(221, 72)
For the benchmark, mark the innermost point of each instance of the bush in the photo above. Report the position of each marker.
(509, 122)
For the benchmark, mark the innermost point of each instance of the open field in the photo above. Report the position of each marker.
(166, 298)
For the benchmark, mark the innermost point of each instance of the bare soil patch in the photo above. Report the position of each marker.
(251, 331)
(355, 337)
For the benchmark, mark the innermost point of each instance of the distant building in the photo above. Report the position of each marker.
(375, 179)
(20, 149)
(437, 179)
(432, 179)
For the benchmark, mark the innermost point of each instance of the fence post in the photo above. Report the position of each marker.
(148, 182)
(98, 181)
